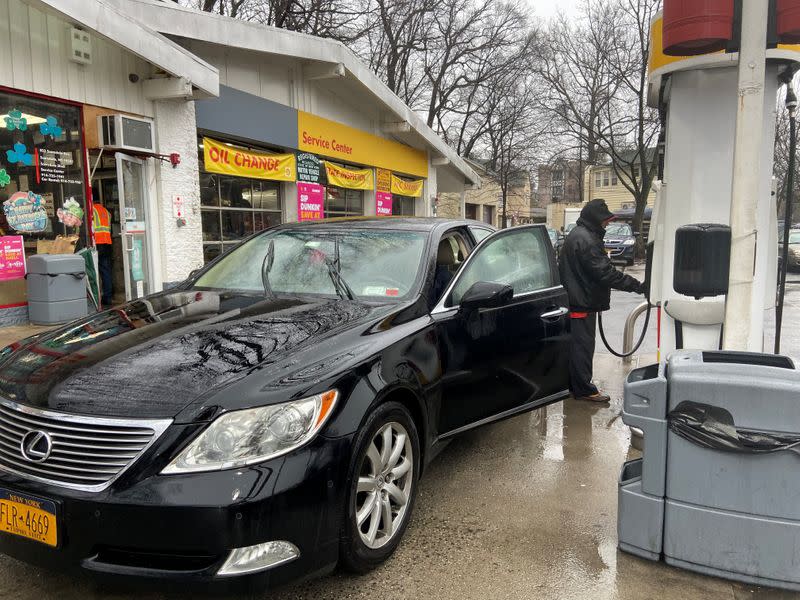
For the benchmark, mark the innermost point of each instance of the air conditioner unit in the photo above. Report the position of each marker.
(123, 132)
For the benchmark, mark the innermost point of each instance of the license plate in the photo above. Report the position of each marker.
(28, 517)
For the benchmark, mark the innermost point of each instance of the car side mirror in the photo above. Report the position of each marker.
(485, 294)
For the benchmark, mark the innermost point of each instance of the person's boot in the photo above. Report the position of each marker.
(598, 397)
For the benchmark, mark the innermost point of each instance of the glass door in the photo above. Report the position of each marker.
(134, 225)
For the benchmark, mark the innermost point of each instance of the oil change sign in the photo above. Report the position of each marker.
(233, 160)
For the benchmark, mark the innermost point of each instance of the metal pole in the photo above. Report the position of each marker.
(630, 326)
(791, 105)
(746, 176)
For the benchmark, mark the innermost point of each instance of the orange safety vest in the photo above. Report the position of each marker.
(101, 223)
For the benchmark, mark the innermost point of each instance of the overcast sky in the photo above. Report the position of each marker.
(548, 8)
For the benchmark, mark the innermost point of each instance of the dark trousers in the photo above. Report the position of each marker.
(581, 355)
(105, 264)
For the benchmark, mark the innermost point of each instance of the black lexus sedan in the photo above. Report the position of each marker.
(270, 417)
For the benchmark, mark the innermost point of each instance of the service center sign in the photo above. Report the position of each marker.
(310, 200)
(12, 257)
(233, 160)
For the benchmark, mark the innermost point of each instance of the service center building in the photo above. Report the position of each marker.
(301, 130)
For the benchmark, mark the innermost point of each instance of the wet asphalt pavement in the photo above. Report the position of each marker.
(522, 509)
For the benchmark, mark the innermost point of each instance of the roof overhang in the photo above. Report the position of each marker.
(172, 19)
(113, 24)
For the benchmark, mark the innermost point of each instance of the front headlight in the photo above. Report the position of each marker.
(245, 437)
(628, 242)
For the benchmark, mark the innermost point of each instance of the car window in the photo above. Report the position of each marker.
(794, 237)
(618, 229)
(480, 233)
(376, 264)
(519, 258)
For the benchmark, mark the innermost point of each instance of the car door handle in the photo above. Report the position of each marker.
(555, 314)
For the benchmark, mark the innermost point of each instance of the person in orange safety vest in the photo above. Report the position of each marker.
(101, 225)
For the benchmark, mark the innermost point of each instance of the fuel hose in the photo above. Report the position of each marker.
(636, 346)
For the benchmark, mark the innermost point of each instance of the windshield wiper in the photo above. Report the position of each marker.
(342, 289)
(266, 267)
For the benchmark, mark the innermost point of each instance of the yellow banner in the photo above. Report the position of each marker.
(350, 145)
(232, 160)
(354, 179)
(401, 187)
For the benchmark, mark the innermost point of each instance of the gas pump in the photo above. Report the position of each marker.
(698, 95)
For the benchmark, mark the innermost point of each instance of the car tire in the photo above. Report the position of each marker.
(372, 475)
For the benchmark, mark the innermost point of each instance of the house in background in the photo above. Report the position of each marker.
(603, 181)
(559, 188)
(486, 203)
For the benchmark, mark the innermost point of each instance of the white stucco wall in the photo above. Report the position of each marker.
(181, 247)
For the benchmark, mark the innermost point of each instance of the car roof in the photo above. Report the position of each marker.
(427, 224)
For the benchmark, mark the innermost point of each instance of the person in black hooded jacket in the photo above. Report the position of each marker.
(589, 276)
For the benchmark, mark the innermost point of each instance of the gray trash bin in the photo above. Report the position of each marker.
(56, 288)
(717, 490)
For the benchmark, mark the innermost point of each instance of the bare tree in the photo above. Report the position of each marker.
(338, 19)
(597, 75)
(394, 41)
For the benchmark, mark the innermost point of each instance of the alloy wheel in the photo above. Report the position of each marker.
(384, 485)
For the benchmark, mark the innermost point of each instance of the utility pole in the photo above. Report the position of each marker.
(746, 177)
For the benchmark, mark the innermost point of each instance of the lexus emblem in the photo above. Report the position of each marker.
(36, 446)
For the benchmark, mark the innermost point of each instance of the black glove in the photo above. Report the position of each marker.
(642, 288)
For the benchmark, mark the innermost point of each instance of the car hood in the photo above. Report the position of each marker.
(151, 357)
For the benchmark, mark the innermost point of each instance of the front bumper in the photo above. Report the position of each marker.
(182, 527)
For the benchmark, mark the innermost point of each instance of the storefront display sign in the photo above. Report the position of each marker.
(12, 257)
(25, 212)
(15, 120)
(71, 214)
(310, 201)
(383, 179)
(51, 166)
(309, 167)
(233, 160)
(403, 187)
(350, 145)
(383, 204)
(354, 179)
(51, 127)
(19, 154)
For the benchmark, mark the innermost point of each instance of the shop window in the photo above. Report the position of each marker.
(42, 170)
(341, 202)
(471, 211)
(403, 205)
(234, 208)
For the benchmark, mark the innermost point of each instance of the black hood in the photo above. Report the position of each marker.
(594, 214)
(152, 357)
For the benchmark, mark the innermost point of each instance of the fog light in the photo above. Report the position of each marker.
(259, 557)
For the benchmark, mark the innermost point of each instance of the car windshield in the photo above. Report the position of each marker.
(618, 229)
(375, 264)
(569, 227)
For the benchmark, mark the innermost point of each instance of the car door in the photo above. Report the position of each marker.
(502, 360)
